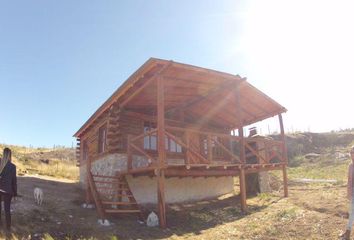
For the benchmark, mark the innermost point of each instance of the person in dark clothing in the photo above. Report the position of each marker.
(8, 184)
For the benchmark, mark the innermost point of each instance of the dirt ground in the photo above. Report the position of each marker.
(312, 211)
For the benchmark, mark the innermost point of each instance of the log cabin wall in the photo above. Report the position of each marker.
(89, 141)
(128, 125)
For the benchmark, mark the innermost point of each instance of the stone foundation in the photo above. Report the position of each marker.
(145, 188)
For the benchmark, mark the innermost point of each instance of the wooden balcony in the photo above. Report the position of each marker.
(204, 153)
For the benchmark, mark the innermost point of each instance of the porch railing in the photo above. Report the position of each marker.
(206, 148)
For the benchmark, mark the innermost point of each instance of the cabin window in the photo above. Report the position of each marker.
(172, 146)
(102, 135)
(84, 151)
(150, 141)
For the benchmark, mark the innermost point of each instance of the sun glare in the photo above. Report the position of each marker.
(301, 54)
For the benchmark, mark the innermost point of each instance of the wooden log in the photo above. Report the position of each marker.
(285, 156)
(216, 134)
(243, 190)
(200, 172)
(240, 123)
(161, 197)
(209, 148)
(161, 151)
(95, 196)
(122, 211)
(118, 203)
(147, 83)
(129, 155)
(143, 152)
(187, 146)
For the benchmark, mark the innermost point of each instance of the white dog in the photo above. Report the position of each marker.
(38, 195)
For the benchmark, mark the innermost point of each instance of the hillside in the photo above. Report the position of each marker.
(55, 162)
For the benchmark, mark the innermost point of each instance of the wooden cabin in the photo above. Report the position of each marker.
(174, 132)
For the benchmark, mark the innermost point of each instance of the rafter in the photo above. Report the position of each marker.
(198, 99)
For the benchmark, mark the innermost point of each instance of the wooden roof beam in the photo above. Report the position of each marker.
(147, 83)
(198, 99)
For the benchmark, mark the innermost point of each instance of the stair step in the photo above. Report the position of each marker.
(112, 188)
(105, 188)
(108, 182)
(111, 182)
(122, 210)
(119, 203)
(105, 176)
(109, 196)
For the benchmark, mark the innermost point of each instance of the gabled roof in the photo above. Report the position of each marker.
(203, 94)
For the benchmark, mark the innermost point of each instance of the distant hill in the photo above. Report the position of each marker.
(56, 162)
(307, 142)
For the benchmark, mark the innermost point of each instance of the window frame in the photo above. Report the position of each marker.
(150, 141)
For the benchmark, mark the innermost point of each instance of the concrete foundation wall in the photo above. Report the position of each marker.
(145, 188)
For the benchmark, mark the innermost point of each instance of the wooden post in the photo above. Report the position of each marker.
(209, 149)
(161, 151)
(285, 156)
(242, 146)
(129, 154)
(240, 129)
(243, 190)
(187, 136)
(161, 197)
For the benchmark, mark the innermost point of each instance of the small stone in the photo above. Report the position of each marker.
(90, 206)
(58, 223)
(70, 216)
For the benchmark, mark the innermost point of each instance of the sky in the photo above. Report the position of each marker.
(60, 60)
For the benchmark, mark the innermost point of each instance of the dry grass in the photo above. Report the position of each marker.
(61, 161)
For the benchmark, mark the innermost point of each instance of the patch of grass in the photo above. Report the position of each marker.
(47, 237)
(265, 196)
(61, 161)
(286, 214)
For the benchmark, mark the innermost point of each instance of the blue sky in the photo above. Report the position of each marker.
(60, 60)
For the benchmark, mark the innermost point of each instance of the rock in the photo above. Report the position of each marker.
(90, 206)
(84, 205)
(70, 216)
(152, 220)
(104, 222)
(342, 156)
